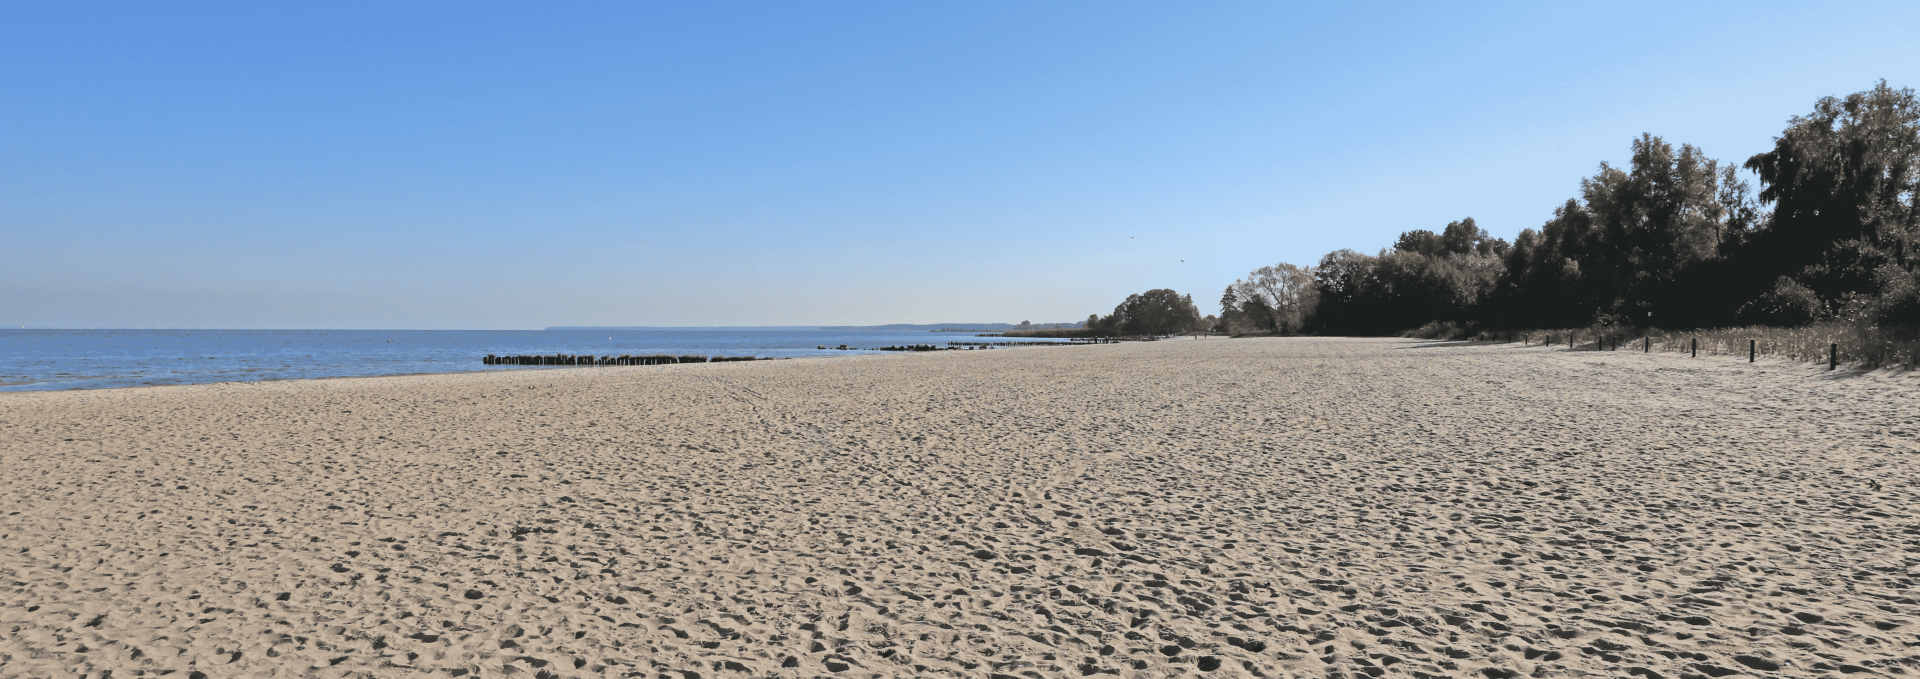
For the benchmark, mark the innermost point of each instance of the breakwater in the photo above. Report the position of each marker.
(953, 346)
(989, 345)
(589, 360)
(669, 359)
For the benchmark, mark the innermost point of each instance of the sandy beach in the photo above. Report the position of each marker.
(1260, 507)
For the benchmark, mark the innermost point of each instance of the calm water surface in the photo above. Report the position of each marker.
(91, 359)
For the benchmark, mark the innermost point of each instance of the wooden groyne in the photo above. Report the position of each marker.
(591, 360)
(905, 347)
(989, 345)
(1099, 339)
(669, 359)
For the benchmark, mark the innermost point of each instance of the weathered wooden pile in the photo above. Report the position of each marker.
(591, 360)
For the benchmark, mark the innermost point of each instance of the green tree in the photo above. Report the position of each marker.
(1156, 312)
(1278, 298)
(1844, 182)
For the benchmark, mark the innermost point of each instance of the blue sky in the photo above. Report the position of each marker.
(501, 165)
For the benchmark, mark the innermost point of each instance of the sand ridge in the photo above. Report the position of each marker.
(1272, 507)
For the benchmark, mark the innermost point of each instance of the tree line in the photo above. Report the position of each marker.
(1674, 238)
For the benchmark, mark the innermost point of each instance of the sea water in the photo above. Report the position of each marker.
(91, 359)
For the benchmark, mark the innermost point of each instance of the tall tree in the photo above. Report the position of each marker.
(1844, 182)
(1285, 293)
(1156, 312)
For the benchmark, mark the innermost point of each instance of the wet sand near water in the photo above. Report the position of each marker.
(1257, 507)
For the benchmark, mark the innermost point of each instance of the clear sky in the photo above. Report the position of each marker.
(516, 165)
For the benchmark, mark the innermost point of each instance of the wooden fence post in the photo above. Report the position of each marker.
(1752, 350)
(1696, 347)
(1833, 355)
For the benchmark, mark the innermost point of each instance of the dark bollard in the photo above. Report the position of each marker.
(1833, 356)
(1649, 348)
(1753, 350)
(1696, 347)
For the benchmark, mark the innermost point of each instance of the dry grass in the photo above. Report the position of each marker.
(1867, 346)
(1864, 346)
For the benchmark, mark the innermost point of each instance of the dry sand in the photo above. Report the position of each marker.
(1275, 507)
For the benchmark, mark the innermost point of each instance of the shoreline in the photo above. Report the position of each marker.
(1818, 368)
(1288, 506)
(494, 369)
(59, 360)
(1889, 372)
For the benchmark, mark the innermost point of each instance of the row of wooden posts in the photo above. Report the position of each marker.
(591, 360)
(1753, 348)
